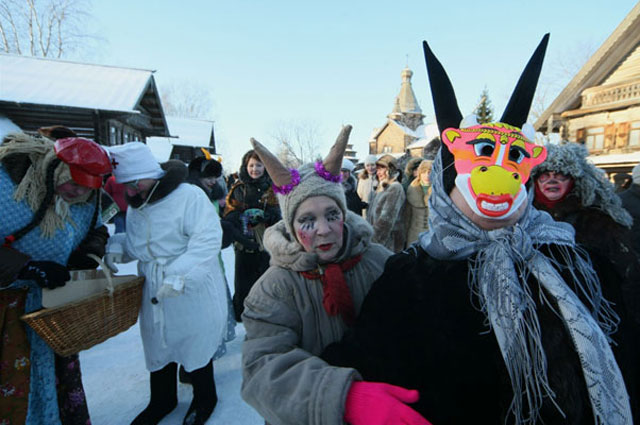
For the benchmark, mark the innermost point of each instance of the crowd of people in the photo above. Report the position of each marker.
(498, 282)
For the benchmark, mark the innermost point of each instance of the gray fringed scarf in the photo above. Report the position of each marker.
(500, 262)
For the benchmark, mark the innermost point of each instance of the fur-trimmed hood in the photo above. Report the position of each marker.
(286, 252)
(590, 185)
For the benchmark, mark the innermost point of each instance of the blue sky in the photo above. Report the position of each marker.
(270, 63)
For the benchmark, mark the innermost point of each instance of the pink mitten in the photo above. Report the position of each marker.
(373, 403)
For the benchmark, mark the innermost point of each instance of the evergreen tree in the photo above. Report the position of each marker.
(484, 110)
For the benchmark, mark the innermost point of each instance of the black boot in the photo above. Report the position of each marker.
(183, 376)
(205, 397)
(163, 396)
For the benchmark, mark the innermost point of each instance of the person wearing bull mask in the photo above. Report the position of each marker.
(174, 232)
(50, 220)
(497, 317)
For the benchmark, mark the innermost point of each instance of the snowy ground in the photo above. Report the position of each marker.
(117, 383)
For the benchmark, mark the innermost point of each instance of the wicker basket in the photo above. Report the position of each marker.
(81, 324)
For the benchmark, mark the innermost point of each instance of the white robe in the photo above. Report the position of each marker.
(178, 239)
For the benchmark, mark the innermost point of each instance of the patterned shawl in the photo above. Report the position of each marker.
(500, 263)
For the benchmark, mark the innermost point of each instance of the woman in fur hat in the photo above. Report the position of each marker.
(50, 220)
(416, 209)
(251, 207)
(410, 172)
(500, 317)
(574, 191)
(386, 205)
(322, 265)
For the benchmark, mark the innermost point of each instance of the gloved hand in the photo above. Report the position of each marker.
(373, 403)
(115, 251)
(172, 286)
(167, 291)
(254, 215)
(47, 274)
(111, 258)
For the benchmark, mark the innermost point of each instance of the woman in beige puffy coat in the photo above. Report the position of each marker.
(416, 208)
(323, 264)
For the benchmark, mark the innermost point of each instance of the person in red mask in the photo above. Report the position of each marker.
(50, 212)
(573, 190)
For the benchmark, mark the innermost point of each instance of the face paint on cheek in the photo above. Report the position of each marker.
(305, 239)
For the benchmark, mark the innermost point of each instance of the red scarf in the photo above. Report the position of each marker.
(336, 297)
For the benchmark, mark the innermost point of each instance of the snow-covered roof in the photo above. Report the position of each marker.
(6, 127)
(187, 132)
(190, 132)
(377, 132)
(161, 148)
(54, 82)
(427, 133)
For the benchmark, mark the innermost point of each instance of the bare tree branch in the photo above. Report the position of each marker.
(48, 27)
(558, 73)
(8, 17)
(5, 41)
(297, 141)
(187, 99)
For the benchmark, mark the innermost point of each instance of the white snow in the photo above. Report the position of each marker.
(188, 132)
(27, 79)
(116, 380)
(161, 148)
(6, 127)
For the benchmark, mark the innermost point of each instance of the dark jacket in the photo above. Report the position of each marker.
(249, 193)
(631, 202)
(608, 243)
(424, 332)
(353, 200)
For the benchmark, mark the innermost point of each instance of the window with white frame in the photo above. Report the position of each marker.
(595, 138)
(634, 134)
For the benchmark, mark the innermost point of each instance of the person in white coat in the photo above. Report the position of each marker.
(174, 232)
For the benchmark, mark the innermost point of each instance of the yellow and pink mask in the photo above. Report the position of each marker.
(493, 162)
(488, 163)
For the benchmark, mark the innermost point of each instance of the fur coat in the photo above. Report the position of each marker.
(608, 243)
(385, 215)
(287, 328)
